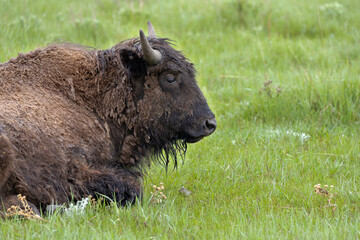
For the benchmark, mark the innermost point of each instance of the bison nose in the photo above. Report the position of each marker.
(210, 126)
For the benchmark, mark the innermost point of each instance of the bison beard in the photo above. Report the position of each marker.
(76, 121)
(170, 150)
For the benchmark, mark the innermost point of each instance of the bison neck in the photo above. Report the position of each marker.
(116, 106)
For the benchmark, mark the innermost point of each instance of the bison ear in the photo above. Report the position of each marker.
(136, 70)
(136, 67)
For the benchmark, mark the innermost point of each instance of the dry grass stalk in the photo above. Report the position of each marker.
(268, 89)
(325, 192)
(26, 212)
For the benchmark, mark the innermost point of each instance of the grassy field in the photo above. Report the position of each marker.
(282, 77)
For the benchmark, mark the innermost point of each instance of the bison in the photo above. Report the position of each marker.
(76, 121)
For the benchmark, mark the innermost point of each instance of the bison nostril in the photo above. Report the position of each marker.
(211, 124)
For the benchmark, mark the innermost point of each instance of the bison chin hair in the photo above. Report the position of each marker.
(164, 150)
(176, 149)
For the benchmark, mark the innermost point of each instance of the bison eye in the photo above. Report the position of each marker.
(170, 78)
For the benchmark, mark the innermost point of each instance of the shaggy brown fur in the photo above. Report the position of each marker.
(76, 122)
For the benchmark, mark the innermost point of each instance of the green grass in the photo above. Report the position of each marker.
(254, 177)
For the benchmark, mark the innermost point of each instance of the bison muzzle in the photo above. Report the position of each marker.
(76, 121)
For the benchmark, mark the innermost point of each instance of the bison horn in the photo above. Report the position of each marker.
(151, 31)
(151, 56)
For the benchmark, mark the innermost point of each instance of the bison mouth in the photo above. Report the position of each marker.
(207, 128)
(193, 139)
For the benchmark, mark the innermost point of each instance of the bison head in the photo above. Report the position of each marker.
(169, 102)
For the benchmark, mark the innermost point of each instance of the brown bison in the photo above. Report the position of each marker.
(76, 121)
